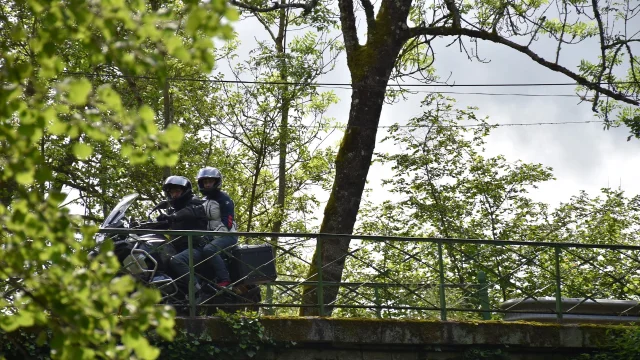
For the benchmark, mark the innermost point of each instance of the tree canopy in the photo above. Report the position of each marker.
(54, 118)
(107, 98)
(399, 40)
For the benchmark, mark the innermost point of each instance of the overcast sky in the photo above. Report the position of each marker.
(583, 156)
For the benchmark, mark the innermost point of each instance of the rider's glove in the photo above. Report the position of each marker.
(165, 217)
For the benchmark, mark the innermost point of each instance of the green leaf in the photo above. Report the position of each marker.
(141, 346)
(98, 134)
(172, 137)
(231, 14)
(122, 285)
(173, 43)
(146, 113)
(88, 354)
(78, 91)
(166, 325)
(56, 198)
(13, 92)
(126, 150)
(110, 98)
(24, 318)
(25, 177)
(42, 338)
(194, 21)
(82, 151)
(182, 54)
(166, 158)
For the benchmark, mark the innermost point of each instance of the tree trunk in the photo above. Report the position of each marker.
(370, 67)
(166, 170)
(284, 126)
(254, 185)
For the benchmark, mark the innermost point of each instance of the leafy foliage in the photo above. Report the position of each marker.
(246, 329)
(48, 279)
(271, 134)
(445, 187)
(622, 344)
(24, 344)
(277, 126)
(399, 40)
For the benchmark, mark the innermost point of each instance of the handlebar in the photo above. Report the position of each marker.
(152, 225)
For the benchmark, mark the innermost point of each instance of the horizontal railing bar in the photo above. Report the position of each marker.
(368, 284)
(421, 308)
(374, 238)
(526, 275)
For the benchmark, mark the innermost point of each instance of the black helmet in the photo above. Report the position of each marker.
(209, 173)
(178, 181)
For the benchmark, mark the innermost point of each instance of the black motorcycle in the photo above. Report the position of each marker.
(146, 257)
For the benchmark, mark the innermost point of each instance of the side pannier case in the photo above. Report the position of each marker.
(253, 264)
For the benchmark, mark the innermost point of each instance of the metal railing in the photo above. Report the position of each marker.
(404, 277)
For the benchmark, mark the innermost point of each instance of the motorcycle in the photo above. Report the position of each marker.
(146, 257)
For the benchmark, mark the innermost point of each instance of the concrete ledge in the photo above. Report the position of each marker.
(374, 333)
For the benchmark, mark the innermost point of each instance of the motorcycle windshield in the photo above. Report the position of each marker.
(118, 212)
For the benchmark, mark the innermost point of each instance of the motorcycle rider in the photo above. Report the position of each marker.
(219, 210)
(182, 216)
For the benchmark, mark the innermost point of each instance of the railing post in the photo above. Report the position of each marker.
(443, 303)
(483, 295)
(192, 280)
(377, 301)
(319, 284)
(558, 284)
(269, 300)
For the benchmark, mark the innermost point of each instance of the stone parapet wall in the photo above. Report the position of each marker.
(333, 339)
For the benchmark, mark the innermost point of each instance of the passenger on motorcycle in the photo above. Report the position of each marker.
(183, 216)
(220, 213)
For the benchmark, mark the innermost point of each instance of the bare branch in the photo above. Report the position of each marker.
(414, 45)
(535, 33)
(455, 12)
(368, 10)
(564, 25)
(266, 26)
(620, 42)
(631, 61)
(596, 13)
(485, 35)
(609, 78)
(349, 29)
(306, 6)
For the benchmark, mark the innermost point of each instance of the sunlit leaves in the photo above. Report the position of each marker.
(293, 113)
(578, 30)
(24, 177)
(613, 112)
(172, 136)
(79, 91)
(82, 151)
(446, 186)
(54, 116)
(535, 26)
